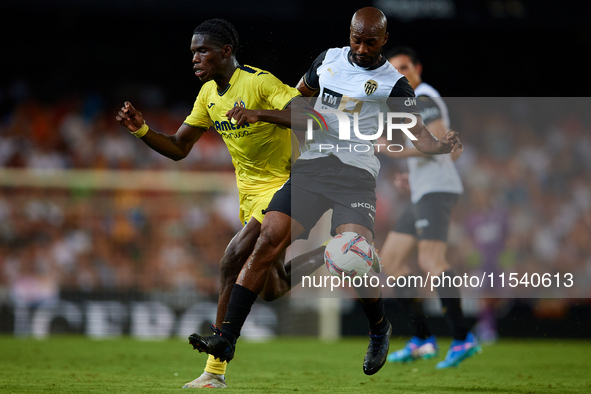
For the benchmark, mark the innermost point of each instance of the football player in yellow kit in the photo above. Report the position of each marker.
(249, 108)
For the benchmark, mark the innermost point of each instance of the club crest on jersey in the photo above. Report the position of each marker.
(239, 103)
(370, 86)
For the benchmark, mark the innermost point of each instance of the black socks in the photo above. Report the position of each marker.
(413, 306)
(241, 300)
(376, 315)
(451, 306)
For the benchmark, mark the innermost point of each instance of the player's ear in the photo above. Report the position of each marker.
(227, 51)
(419, 68)
(386, 35)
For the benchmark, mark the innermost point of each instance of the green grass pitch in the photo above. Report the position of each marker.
(286, 365)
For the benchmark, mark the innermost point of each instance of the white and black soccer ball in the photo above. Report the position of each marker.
(348, 253)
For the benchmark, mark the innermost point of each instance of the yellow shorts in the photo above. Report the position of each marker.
(252, 205)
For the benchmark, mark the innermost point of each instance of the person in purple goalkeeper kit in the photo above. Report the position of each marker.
(487, 226)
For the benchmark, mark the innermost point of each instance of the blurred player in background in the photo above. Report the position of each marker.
(435, 188)
(334, 178)
(248, 107)
(487, 225)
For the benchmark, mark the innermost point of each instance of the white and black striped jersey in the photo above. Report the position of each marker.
(345, 86)
(435, 173)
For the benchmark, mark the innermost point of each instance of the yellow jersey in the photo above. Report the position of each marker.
(261, 152)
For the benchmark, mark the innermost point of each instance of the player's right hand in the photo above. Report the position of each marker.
(451, 142)
(239, 116)
(129, 117)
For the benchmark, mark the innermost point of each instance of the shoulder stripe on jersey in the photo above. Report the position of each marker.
(261, 73)
(289, 102)
(247, 69)
(307, 85)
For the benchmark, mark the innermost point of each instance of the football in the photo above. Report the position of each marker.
(348, 253)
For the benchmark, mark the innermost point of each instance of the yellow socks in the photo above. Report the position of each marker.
(214, 365)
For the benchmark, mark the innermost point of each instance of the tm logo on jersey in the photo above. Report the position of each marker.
(330, 98)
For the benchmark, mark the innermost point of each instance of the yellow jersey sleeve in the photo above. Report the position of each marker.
(199, 116)
(277, 94)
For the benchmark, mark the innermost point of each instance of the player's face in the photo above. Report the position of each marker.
(366, 47)
(207, 58)
(405, 66)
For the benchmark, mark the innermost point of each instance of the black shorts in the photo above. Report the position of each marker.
(318, 185)
(428, 218)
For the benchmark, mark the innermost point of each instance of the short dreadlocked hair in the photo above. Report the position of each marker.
(220, 31)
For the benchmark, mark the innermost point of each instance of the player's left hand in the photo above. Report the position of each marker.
(239, 116)
(451, 143)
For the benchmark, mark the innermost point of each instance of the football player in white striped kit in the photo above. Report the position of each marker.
(336, 178)
(435, 187)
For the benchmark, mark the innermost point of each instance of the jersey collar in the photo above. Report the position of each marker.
(378, 65)
(231, 82)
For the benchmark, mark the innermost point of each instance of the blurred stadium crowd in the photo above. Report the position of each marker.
(527, 203)
(530, 181)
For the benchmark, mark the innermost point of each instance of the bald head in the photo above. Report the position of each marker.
(369, 20)
(368, 36)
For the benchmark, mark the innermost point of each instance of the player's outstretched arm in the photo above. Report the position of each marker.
(239, 116)
(437, 129)
(175, 146)
(429, 144)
